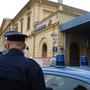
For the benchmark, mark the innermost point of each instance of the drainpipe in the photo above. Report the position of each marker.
(33, 43)
(34, 46)
(65, 45)
(39, 10)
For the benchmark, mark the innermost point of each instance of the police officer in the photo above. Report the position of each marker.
(16, 71)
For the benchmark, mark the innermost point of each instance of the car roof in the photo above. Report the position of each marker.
(81, 73)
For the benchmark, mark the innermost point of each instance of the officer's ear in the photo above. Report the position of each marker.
(6, 46)
(24, 45)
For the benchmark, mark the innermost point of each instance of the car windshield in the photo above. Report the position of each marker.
(65, 83)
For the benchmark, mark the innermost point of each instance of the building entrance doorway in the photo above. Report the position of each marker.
(44, 50)
(74, 54)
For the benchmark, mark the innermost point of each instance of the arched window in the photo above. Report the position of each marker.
(44, 50)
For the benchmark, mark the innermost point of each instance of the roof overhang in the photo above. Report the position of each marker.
(79, 25)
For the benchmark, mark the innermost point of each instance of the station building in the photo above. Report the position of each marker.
(52, 28)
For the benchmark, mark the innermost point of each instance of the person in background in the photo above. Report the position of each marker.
(16, 71)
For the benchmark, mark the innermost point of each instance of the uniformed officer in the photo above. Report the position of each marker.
(16, 71)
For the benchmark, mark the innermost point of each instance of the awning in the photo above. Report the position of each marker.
(79, 25)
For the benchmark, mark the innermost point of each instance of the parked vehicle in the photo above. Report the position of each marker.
(67, 78)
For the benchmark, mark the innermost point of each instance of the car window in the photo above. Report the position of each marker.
(64, 83)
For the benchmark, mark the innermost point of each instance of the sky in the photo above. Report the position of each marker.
(10, 8)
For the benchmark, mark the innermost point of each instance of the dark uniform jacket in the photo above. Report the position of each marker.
(20, 73)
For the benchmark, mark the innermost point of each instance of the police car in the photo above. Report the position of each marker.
(60, 77)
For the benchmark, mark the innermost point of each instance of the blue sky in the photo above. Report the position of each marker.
(10, 8)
